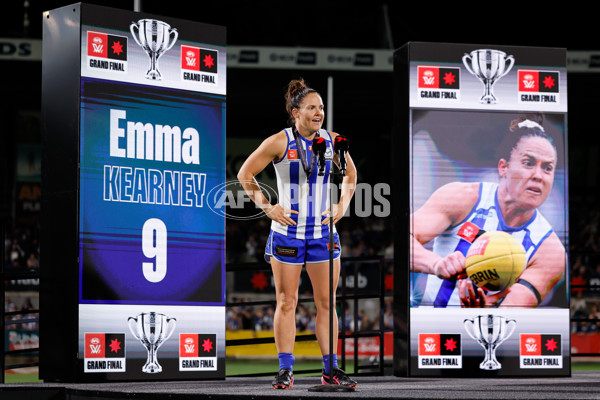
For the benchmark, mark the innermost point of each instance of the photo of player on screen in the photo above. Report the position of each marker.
(527, 159)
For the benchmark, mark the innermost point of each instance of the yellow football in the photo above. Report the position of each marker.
(495, 260)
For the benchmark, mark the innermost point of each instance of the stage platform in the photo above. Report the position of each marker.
(581, 385)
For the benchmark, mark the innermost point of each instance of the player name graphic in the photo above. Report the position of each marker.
(157, 142)
(153, 186)
(152, 142)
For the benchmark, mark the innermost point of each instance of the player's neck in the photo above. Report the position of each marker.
(514, 215)
(305, 133)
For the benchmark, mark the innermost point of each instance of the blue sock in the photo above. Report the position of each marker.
(286, 360)
(326, 362)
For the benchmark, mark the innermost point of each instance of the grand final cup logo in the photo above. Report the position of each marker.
(490, 331)
(488, 66)
(152, 330)
(156, 38)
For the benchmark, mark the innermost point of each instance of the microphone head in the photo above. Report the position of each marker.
(340, 144)
(319, 145)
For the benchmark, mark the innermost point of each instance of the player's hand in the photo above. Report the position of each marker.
(450, 266)
(281, 215)
(338, 213)
(470, 295)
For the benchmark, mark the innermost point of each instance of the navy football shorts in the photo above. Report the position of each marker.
(300, 251)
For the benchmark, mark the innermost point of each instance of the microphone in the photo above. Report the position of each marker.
(318, 148)
(340, 146)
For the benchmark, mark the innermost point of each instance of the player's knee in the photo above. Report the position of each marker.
(287, 303)
(322, 303)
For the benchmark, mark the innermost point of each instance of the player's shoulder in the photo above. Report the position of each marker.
(456, 199)
(276, 140)
(274, 145)
(460, 190)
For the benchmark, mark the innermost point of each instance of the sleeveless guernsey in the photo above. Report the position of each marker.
(307, 195)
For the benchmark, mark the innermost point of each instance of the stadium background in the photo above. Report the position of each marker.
(362, 111)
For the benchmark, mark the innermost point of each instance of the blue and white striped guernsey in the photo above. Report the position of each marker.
(486, 215)
(310, 197)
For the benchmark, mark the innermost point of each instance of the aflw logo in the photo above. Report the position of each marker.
(190, 58)
(538, 81)
(95, 345)
(531, 348)
(97, 45)
(428, 78)
(189, 346)
(104, 345)
(528, 81)
(101, 45)
(540, 345)
(531, 345)
(429, 345)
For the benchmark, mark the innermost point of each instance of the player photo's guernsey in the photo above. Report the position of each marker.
(487, 216)
(307, 195)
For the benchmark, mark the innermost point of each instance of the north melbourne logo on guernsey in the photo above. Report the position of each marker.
(538, 87)
(104, 352)
(197, 352)
(106, 52)
(468, 231)
(540, 351)
(438, 350)
(438, 83)
(199, 65)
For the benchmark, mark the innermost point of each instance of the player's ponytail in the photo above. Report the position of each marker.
(529, 125)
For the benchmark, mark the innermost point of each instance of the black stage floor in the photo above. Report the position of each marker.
(581, 385)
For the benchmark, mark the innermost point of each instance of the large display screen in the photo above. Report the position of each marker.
(488, 201)
(152, 146)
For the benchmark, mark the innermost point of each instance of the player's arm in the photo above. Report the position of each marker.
(447, 206)
(545, 270)
(271, 149)
(348, 187)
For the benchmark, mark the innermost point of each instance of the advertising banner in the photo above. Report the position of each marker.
(488, 211)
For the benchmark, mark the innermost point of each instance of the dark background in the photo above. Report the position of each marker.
(363, 100)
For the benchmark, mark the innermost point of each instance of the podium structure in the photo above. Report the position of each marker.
(460, 111)
(133, 285)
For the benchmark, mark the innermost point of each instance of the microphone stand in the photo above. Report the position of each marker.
(331, 387)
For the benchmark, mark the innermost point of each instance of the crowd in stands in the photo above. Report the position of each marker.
(21, 253)
(260, 318)
(21, 249)
(585, 267)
